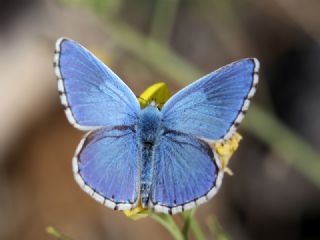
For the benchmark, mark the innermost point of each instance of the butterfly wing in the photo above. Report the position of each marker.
(106, 167)
(213, 106)
(92, 94)
(187, 173)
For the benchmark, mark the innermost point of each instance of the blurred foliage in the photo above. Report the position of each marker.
(163, 20)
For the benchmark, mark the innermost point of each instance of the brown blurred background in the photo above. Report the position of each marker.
(274, 193)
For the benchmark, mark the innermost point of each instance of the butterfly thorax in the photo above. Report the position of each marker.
(149, 129)
(149, 126)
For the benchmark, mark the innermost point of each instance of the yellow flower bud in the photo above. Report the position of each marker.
(226, 149)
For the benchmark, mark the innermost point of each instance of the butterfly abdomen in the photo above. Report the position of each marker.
(147, 172)
(149, 129)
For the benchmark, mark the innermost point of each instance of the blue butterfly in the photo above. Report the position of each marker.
(161, 157)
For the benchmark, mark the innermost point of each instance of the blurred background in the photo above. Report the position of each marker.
(274, 193)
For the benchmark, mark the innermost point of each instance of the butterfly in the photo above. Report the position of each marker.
(162, 159)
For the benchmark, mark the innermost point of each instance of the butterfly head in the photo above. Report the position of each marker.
(154, 104)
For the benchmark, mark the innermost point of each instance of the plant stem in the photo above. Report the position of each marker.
(163, 20)
(53, 232)
(216, 228)
(193, 224)
(285, 142)
(168, 223)
(187, 216)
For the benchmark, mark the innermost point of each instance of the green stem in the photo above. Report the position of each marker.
(187, 216)
(284, 141)
(163, 20)
(196, 230)
(193, 224)
(53, 232)
(216, 229)
(168, 223)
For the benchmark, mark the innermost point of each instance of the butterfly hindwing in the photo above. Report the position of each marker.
(92, 94)
(212, 107)
(106, 167)
(187, 173)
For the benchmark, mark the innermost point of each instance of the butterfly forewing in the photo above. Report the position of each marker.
(212, 107)
(92, 94)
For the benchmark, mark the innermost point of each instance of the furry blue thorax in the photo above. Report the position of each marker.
(149, 126)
